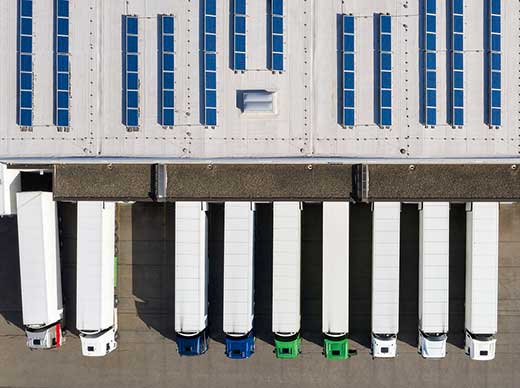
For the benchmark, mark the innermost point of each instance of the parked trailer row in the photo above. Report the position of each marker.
(96, 313)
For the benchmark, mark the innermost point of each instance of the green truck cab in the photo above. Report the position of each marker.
(287, 347)
(336, 348)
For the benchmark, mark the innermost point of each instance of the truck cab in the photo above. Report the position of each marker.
(240, 347)
(336, 347)
(384, 345)
(480, 347)
(432, 345)
(47, 337)
(192, 344)
(287, 345)
(98, 344)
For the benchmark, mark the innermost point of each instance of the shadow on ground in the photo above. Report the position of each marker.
(10, 293)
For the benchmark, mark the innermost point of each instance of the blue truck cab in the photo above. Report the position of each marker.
(240, 347)
(192, 345)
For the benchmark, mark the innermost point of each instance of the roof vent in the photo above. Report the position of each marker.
(257, 101)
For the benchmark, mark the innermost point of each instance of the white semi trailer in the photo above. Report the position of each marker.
(239, 233)
(434, 253)
(10, 184)
(335, 279)
(385, 278)
(481, 280)
(191, 277)
(40, 271)
(96, 309)
(286, 278)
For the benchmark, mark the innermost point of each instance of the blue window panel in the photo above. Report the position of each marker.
(458, 42)
(385, 24)
(348, 80)
(25, 7)
(431, 42)
(386, 42)
(26, 99)
(386, 98)
(63, 26)
(168, 99)
(168, 80)
(210, 24)
(278, 43)
(431, 116)
(168, 116)
(63, 81)
(168, 43)
(496, 43)
(495, 24)
(496, 80)
(458, 80)
(132, 25)
(132, 118)
(278, 62)
(26, 26)
(458, 61)
(348, 24)
(168, 62)
(431, 60)
(210, 116)
(431, 22)
(62, 99)
(386, 117)
(386, 62)
(348, 98)
(431, 6)
(495, 7)
(348, 61)
(458, 24)
(240, 24)
(431, 98)
(496, 61)
(26, 63)
(131, 44)
(211, 43)
(132, 81)
(63, 44)
(63, 8)
(458, 98)
(132, 63)
(458, 115)
(132, 99)
(348, 42)
(240, 43)
(62, 63)
(496, 98)
(211, 62)
(26, 44)
(277, 7)
(431, 79)
(62, 118)
(240, 7)
(26, 81)
(458, 6)
(25, 117)
(386, 80)
(496, 117)
(210, 7)
(167, 25)
(211, 80)
(211, 98)
(277, 25)
(240, 61)
(348, 117)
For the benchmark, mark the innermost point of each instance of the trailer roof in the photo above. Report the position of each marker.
(39, 258)
(306, 121)
(286, 266)
(191, 266)
(385, 267)
(238, 267)
(95, 266)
